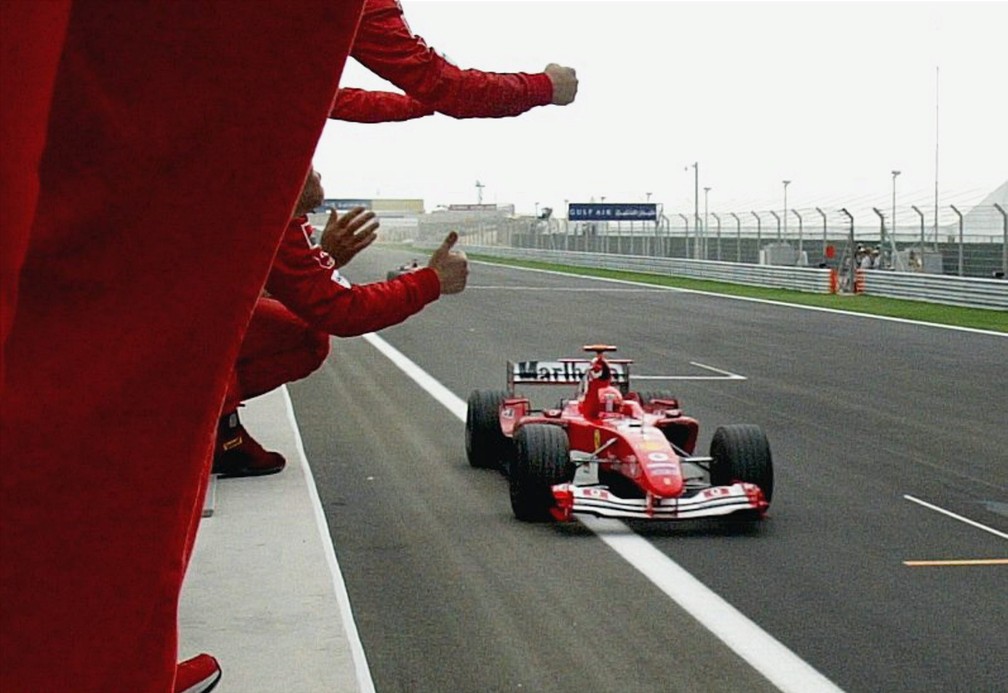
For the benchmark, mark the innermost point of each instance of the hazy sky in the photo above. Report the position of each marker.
(832, 96)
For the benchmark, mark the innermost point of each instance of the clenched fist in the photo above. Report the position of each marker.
(565, 83)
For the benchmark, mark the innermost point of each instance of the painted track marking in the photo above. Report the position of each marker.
(724, 375)
(957, 562)
(949, 513)
(365, 684)
(759, 649)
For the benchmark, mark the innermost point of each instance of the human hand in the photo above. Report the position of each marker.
(451, 266)
(565, 83)
(347, 234)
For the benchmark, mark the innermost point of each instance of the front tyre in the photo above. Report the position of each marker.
(486, 445)
(542, 459)
(740, 452)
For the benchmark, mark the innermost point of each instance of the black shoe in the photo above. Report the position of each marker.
(197, 675)
(236, 453)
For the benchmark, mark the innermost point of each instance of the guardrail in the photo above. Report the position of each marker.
(798, 278)
(971, 292)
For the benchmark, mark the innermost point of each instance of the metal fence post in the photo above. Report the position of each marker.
(1004, 240)
(959, 214)
(738, 237)
(759, 235)
(774, 214)
(823, 215)
(666, 243)
(686, 220)
(882, 233)
(800, 229)
(718, 220)
(921, 215)
(850, 246)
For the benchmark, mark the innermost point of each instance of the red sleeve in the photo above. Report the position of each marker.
(386, 46)
(360, 106)
(305, 279)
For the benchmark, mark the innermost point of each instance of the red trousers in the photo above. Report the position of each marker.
(152, 155)
(279, 347)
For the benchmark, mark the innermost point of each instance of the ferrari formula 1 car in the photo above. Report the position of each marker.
(611, 451)
(411, 266)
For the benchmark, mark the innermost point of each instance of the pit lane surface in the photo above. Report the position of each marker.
(450, 593)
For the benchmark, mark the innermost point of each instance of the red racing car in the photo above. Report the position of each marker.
(411, 266)
(610, 451)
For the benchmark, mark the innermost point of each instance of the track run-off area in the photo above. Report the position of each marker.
(882, 564)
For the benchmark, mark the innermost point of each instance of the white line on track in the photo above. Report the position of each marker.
(949, 513)
(363, 672)
(758, 648)
(761, 650)
(725, 375)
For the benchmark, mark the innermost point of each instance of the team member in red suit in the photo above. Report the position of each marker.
(280, 347)
(387, 46)
(309, 300)
(362, 106)
(132, 300)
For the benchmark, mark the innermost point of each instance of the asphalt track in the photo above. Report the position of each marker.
(889, 444)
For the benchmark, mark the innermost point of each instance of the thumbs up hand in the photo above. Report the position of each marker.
(451, 266)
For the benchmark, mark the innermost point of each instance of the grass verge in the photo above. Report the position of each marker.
(977, 318)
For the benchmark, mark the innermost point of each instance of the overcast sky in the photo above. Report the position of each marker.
(832, 96)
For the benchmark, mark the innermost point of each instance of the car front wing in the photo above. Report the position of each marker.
(710, 502)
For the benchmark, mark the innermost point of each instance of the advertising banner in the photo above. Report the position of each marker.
(616, 211)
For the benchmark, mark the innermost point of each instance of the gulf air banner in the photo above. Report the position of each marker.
(616, 211)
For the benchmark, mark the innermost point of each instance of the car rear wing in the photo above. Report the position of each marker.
(563, 372)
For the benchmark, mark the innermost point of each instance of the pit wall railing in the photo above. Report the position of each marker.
(960, 291)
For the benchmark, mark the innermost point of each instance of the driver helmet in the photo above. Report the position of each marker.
(610, 400)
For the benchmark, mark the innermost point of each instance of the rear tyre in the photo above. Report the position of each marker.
(542, 459)
(486, 445)
(740, 452)
(648, 396)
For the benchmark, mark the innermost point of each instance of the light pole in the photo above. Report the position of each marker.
(647, 197)
(706, 190)
(479, 192)
(786, 183)
(892, 224)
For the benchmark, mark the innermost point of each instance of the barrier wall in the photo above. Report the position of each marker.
(971, 292)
